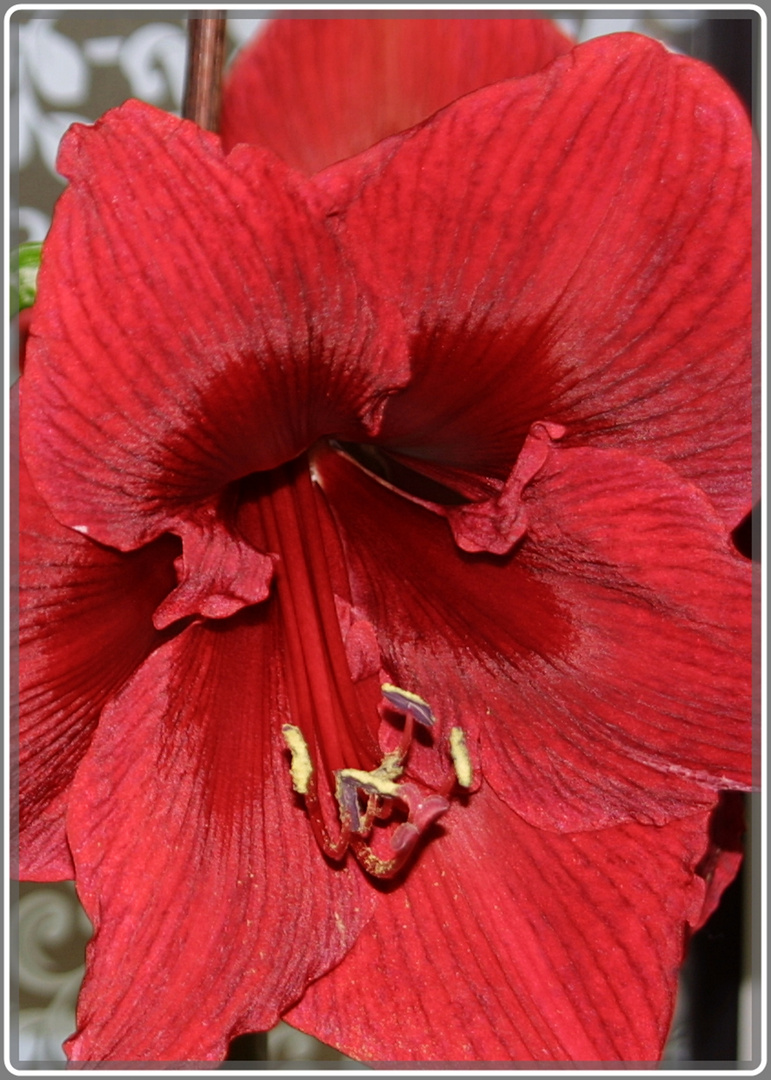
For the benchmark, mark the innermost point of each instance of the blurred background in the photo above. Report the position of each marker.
(71, 67)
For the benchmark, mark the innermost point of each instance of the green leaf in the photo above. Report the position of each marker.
(25, 263)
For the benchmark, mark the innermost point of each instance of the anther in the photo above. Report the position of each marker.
(407, 702)
(461, 760)
(302, 766)
(348, 784)
(370, 782)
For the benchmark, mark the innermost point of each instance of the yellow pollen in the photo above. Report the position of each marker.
(391, 766)
(302, 766)
(460, 757)
(371, 780)
(389, 688)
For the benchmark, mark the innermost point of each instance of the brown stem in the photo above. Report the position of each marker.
(206, 50)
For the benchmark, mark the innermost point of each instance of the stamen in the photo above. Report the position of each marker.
(302, 766)
(391, 765)
(370, 782)
(347, 795)
(407, 702)
(348, 784)
(363, 796)
(461, 759)
(423, 812)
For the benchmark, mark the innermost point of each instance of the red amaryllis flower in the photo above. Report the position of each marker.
(383, 646)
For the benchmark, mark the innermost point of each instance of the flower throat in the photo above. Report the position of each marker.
(356, 796)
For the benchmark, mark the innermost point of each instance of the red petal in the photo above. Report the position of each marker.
(213, 906)
(318, 90)
(219, 571)
(508, 943)
(85, 624)
(571, 247)
(605, 664)
(496, 524)
(193, 324)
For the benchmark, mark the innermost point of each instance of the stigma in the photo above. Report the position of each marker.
(381, 816)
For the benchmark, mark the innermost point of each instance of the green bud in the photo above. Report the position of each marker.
(25, 263)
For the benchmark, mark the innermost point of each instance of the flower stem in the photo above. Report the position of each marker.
(206, 49)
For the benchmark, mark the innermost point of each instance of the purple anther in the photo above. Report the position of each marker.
(348, 797)
(407, 702)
